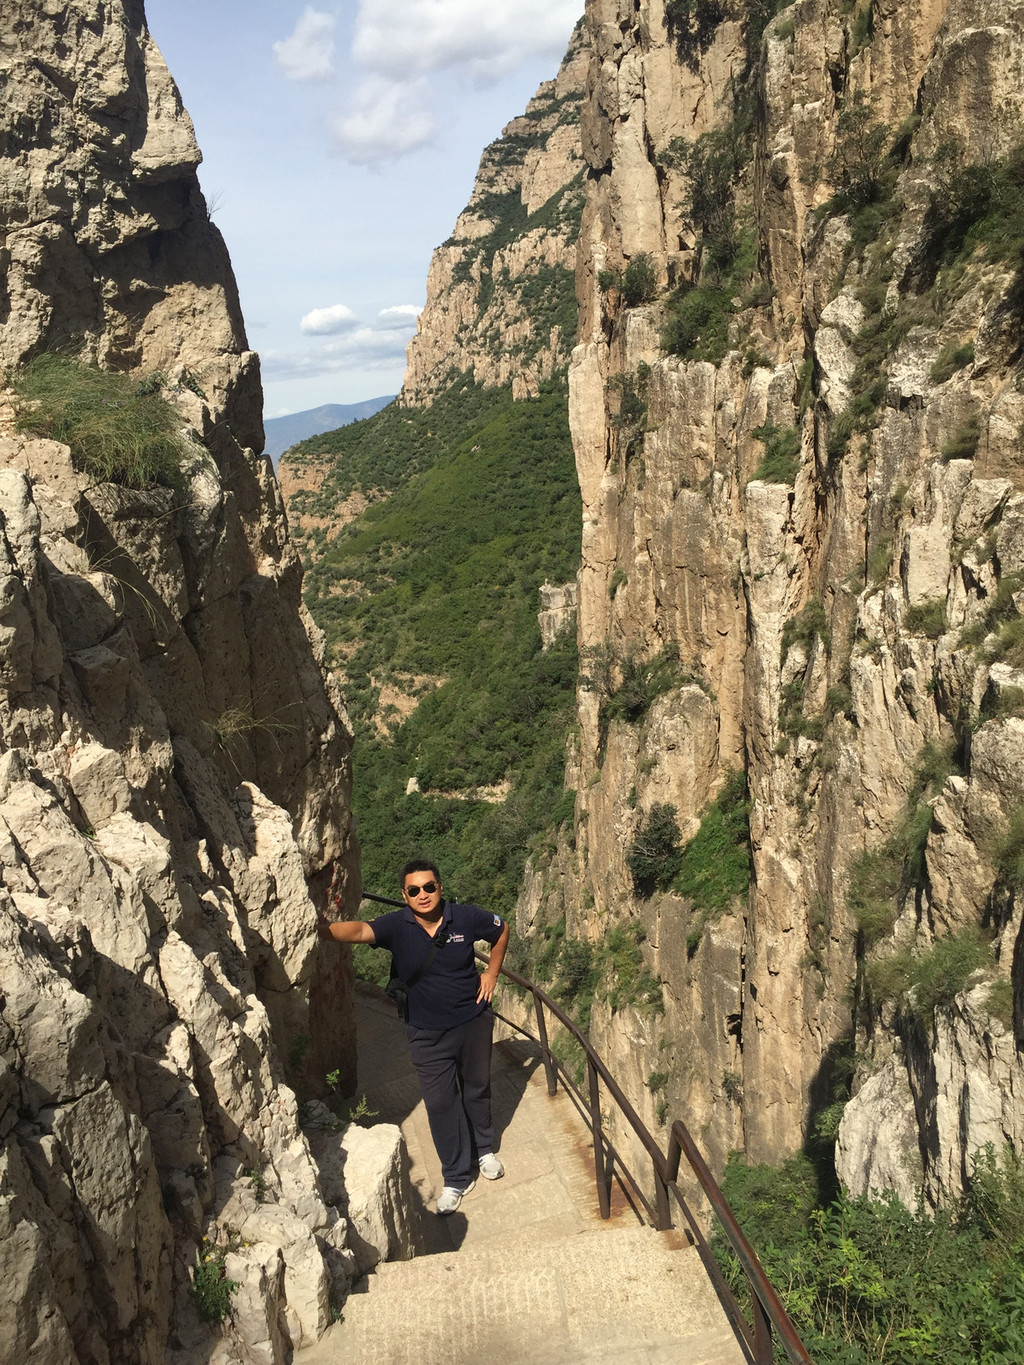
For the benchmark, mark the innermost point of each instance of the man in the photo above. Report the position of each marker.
(450, 1017)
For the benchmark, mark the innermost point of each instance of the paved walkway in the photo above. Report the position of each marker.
(526, 1270)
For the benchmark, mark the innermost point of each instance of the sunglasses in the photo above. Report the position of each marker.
(428, 887)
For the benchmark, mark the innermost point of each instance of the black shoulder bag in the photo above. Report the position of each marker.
(398, 990)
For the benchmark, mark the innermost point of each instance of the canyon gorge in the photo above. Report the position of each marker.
(757, 273)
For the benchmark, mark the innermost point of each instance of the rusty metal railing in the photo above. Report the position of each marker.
(770, 1318)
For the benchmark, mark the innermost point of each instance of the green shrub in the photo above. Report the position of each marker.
(973, 206)
(926, 978)
(655, 854)
(691, 26)
(625, 978)
(963, 443)
(878, 878)
(639, 280)
(999, 1001)
(869, 1282)
(1009, 857)
(1008, 646)
(642, 682)
(863, 28)
(715, 867)
(861, 167)
(808, 625)
(119, 430)
(618, 580)
(927, 618)
(839, 700)
(999, 703)
(631, 418)
(579, 971)
(941, 972)
(781, 461)
(995, 1199)
(701, 309)
(698, 323)
(211, 1289)
(879, 558)
(951, 358)
(871, 898)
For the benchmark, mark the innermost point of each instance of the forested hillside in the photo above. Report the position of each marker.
(429, 601)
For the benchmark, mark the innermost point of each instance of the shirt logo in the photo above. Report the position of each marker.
(456, 938)
(497, 919)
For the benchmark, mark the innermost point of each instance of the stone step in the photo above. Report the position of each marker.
(628, 1295)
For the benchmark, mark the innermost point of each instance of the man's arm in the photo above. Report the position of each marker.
(347, 931)
(489, 978)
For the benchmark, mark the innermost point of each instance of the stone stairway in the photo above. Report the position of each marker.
(525, 1271)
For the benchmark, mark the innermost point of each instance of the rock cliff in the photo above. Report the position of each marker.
(500, 296)
(797, 412)
(174, 768)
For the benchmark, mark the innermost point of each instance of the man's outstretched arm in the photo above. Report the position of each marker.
(489, 978)
(347, 931)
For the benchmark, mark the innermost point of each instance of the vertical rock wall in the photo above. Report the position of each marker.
(884, 557)
(500, 293)
(174, 768)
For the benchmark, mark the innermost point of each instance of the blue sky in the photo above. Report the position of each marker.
(340, 142)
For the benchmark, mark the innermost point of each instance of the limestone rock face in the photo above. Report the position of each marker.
(500, 296)
(830, 630)
(107, 237)
(365, 1172)
(174, 768)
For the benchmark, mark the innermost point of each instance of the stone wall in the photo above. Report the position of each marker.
(683, 548)
(174, 766)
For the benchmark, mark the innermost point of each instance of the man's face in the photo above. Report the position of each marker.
(417, 896)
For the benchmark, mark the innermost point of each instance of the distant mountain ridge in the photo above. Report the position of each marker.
(284, 432)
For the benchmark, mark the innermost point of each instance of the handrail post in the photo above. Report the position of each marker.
(661, 1193)
(542, 1034)
(763, 1352)
(675, 1151)
(600, 1166)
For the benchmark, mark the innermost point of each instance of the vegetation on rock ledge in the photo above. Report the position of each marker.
(119, 429)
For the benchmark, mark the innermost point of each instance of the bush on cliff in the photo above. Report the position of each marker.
(119, 430)
(871, 1282)
(656, 851)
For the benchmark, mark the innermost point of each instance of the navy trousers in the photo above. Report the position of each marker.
(454, 1069)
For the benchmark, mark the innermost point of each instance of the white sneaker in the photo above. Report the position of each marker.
(490, 1167)
(450, 1198)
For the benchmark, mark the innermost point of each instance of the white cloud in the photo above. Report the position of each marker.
(401, 315)
(385, 119)
(364, 348)
(327, 321)
(308, 54)
(489, 38)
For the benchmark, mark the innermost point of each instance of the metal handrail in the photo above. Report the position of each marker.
(768, 1311)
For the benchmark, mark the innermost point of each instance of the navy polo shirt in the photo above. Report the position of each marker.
(445, 995)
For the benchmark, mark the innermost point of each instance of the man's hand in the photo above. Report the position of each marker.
(489, 977)
(488, 981)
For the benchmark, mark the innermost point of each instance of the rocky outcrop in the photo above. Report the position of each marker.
(500, 295)
(174, 769)
(840, 628)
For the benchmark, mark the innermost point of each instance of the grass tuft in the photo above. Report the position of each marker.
(781, 461)
(119, 430)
